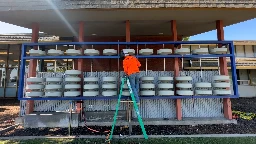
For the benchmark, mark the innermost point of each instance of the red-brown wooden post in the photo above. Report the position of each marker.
(223, 69)
(176, 68)
(79, 65)
(32, 65)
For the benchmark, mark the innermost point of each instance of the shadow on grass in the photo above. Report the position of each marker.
(245, 140)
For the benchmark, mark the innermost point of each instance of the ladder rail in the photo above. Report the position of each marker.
(137, 111)
(135, 107)
(117, 108)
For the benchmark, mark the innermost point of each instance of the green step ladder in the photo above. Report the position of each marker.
(135, 107)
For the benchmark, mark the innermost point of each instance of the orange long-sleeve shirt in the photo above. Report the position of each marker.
(131, 65)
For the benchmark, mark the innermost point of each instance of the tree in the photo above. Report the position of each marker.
(185, 39)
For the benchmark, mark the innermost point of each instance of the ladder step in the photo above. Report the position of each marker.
(135, 108)
(126, 101)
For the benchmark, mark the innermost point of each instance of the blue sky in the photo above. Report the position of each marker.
(241, 31)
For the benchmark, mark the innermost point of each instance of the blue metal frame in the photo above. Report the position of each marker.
(176, 43)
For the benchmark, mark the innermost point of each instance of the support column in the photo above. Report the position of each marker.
(32, 65)
(176, 68)
(79, 65)
(223, 69)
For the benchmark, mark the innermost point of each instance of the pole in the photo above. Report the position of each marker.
(182, 64)
(91, 67)
(70, 118)
(137, 49)
(73, 63)
(55, 62)
(37, 61)
(201, 73)
(219, 66)
(118, 63)
(164, 59)
(146, 66)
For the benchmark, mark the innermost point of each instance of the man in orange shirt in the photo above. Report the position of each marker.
(131, 69)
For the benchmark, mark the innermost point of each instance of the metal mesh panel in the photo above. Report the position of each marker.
(202, 108)
(47, 106)
(206, 75)
(158, 108)
(102, 105)
(161, 108)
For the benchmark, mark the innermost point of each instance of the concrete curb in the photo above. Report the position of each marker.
(133, 136)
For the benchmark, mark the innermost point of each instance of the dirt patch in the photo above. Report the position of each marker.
(243, 126)
(9, 110)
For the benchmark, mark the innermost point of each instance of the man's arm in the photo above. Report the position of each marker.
(125, 66)
(138, 62)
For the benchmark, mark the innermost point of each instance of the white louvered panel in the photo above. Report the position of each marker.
(249, 51)
(239, 51)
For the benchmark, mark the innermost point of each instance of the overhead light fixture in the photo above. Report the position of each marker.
(18, 60)
(46, 60)
(2, 61)
(4, 53)
(94, 34)
(161, 33)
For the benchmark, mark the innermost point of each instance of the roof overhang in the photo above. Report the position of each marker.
(111, 22)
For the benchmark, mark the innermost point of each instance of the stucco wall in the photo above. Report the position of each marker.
(6, 5)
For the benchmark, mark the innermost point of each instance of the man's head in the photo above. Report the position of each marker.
(125, 53)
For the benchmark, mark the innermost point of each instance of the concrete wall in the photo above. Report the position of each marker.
(6, 5)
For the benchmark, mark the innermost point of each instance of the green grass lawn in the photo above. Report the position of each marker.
(248, 140)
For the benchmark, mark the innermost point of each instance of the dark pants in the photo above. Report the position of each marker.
(134, 81)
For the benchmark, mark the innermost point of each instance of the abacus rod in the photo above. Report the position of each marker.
(91, 67)
(146, 66)
(73, 63)
(182, 64)
(201, 72)
(118, 64)
(70, 118)
(219, 66)
(164, 64)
